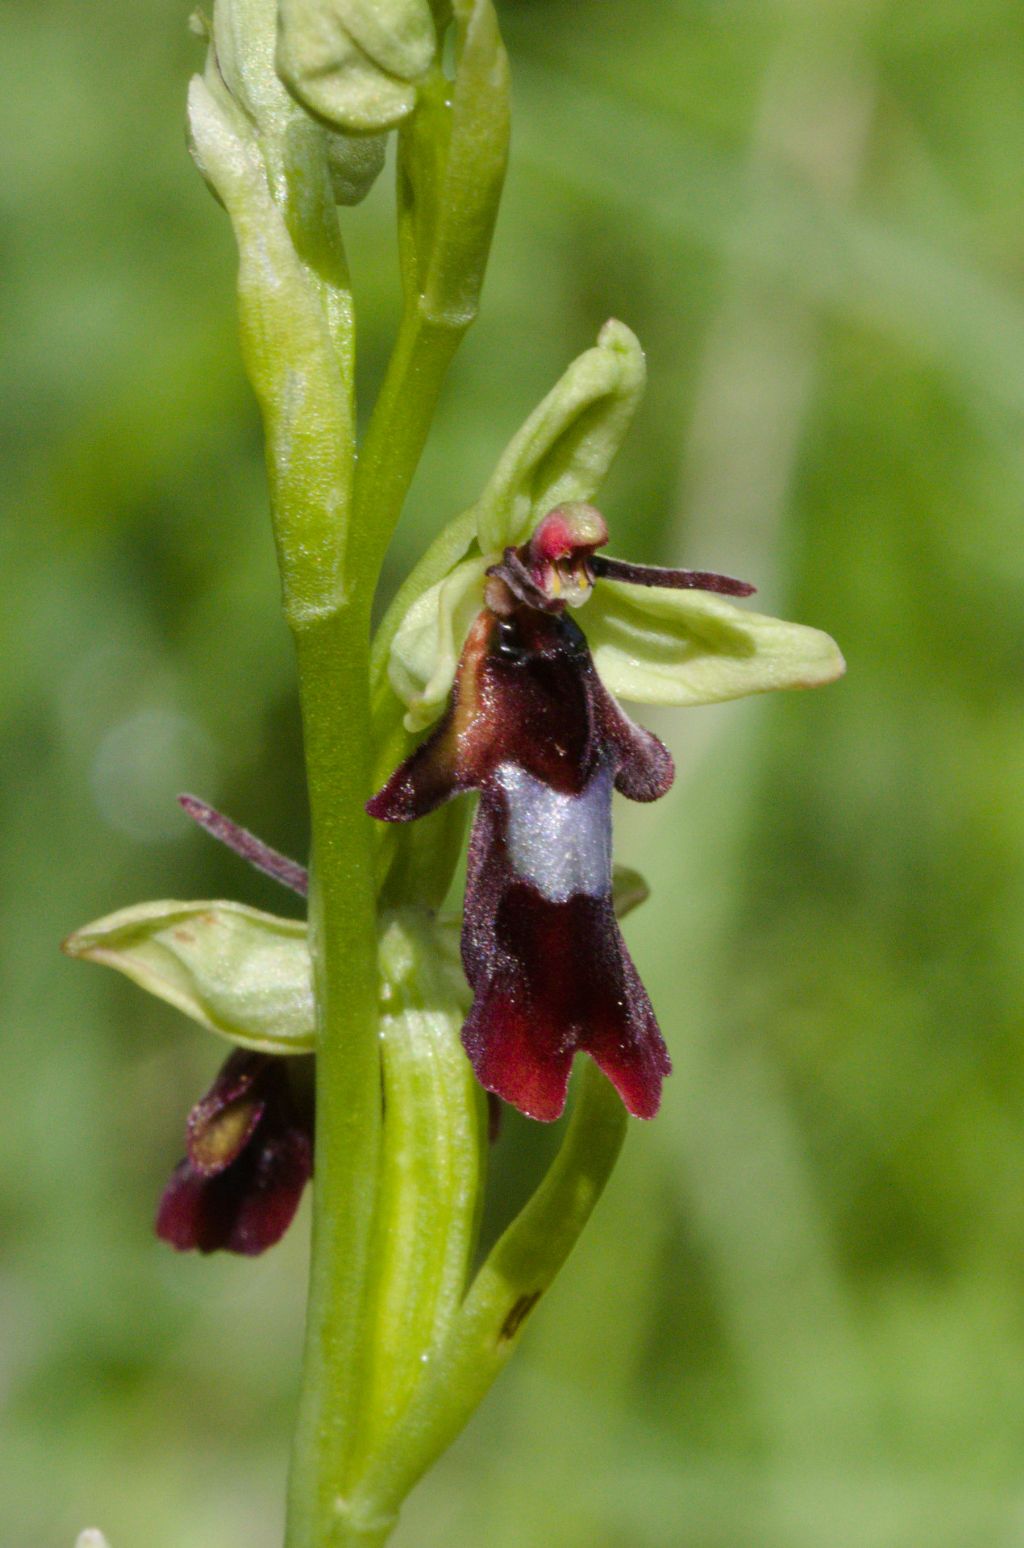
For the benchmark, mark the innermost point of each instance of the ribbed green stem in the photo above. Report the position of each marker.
(332, 663)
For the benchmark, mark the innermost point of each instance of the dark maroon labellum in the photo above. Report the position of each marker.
(532, 728)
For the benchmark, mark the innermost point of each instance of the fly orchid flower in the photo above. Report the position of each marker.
(532, 726)
(530, 719)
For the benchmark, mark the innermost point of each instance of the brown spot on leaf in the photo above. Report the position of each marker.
(518, 1315)
(183, 935)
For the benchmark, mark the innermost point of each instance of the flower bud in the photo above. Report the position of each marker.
(354, 161)
(355, 63)
(242, 54)
(241, 74)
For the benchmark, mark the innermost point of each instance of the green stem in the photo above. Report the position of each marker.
(518, 1270)
(397, 433)
(332, 664)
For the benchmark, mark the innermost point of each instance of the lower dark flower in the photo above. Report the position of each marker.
(249, 1156)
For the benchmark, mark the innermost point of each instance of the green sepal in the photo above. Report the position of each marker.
(657, 646)
(561, 453)
(565, 448)
(236, 970)
(354, 64)
(425, 651)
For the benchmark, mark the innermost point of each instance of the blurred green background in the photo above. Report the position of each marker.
(798, 1317)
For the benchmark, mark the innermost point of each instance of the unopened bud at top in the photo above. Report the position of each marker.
(242, 63)
(355, 64)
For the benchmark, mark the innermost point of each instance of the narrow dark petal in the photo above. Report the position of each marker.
(513, 571)
(426, 779)
(644, 768)
(674, 580)
(445, 763)
(288, 872)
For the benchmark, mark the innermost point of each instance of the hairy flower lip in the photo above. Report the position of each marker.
(532, 728)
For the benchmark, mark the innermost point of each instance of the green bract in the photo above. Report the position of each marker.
(432, 1161)
(236, 970)
(248, 975)
(651, 644)
(275, 178)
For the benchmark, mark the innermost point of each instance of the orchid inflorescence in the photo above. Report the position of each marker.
(366, 1039)
(531, 726)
